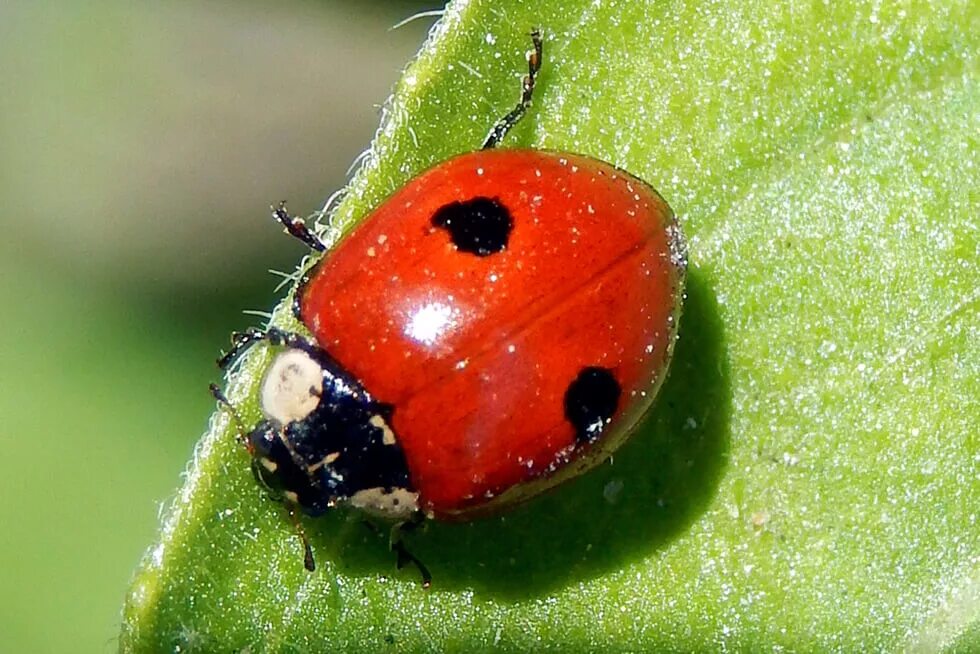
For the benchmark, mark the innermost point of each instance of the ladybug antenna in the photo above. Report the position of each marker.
(226, 404)
(308, 562)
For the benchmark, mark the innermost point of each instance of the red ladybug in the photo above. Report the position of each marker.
(496, 326)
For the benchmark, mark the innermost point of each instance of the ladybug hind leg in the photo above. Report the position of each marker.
(505, 124)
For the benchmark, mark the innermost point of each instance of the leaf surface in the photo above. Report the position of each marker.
(810, 477)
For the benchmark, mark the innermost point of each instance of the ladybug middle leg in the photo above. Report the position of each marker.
(505, 124)
(295, 227)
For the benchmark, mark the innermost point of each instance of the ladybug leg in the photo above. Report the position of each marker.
(395, 544)
(297, 228)
(505, 124)
(241, 342)
(405, 557)
(308, 561)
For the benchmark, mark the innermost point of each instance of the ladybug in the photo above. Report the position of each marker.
(495, 327)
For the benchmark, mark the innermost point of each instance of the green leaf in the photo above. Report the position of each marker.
(810, 478)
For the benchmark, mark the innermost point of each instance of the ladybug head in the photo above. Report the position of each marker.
(276, 470)
(324, 440)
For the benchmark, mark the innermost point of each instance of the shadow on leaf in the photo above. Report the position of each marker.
(655, 488)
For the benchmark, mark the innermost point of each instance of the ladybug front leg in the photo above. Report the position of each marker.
(505, 124)
(297, 228)
(241, 342)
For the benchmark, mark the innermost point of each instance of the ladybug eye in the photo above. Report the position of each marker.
(480, 226)
(292, 387)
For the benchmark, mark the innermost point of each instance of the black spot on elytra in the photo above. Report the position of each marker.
(480, 226)
(591, 401)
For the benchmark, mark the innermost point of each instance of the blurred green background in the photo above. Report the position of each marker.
(140, 145)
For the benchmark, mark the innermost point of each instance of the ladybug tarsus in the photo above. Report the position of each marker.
(297, 228)
(505, 124)
(404, 557)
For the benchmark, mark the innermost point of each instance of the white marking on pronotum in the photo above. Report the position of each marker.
(388, 436)
(292, 387)
(391, 504)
